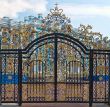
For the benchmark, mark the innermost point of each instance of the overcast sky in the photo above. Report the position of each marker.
(93, 12)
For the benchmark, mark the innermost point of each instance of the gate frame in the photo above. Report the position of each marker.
(55, 36)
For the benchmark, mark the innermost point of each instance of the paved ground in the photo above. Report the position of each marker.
(57, 105)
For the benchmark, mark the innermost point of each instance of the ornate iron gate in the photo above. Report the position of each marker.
(73, 76)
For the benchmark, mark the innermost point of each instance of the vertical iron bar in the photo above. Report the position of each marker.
(39, 79)
(109, 82)
(66, 83)
(55, 67)
(91, 78)
(77, 82)
(72, 79)
(0, 80)
(69, 85)
(42, 82)
(96, 84)
(82, 77)
(14, 77)
(105, 73)
(0, 73)
(36, 77)
(32, 80)
(80, 81)
(27, 81)
(45, 81)
(5, 70)
(20, 77)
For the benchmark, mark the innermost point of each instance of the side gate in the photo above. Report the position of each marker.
(100, 76)
(55, 68)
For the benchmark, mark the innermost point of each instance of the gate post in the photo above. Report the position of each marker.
(20, 77)
(91, 78)
(0, 79)
(109, 82)
(0, 72)
(55, 67)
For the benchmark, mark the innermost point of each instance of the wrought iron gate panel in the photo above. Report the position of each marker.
(72, 74)
(67, 79)
(39, 84)
(100, 77)
(9, 78)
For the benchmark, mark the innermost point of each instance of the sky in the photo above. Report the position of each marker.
(92, 12)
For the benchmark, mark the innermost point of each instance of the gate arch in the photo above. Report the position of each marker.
(58, 36)
(62, 72)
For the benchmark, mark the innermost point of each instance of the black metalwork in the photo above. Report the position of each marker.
(55, 67)
(91, 78)
(109, 81)
(20, 76)
(85, 78)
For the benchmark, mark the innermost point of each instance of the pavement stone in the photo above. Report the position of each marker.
(56, 105)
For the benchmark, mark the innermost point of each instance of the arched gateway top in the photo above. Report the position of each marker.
(48, 37)
(45, 39)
